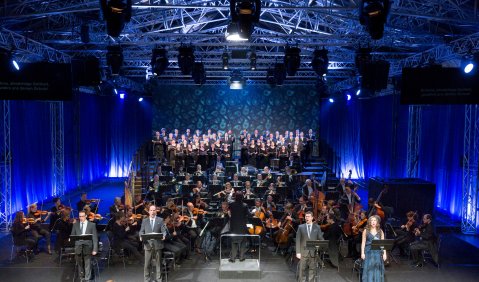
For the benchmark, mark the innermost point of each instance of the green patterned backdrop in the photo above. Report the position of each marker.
(219, 108)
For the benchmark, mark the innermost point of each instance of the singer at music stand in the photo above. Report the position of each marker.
(308, 231)
(152, 235)
(86, 244)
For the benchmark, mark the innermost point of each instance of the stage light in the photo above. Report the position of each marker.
(236, 80)
(140, 99)
(159, 61)
(348, 97)
(292, 59)
(198, 73)
(15, 65)
(331, 100)
(252, 59)
(122, 95)
(320, 62)
(114, 58)
(116, 91)
(186, 59)
(116, 13)
(244, 15)
(358, 92)
(469, 63)
(225, 58)
(362, 58)
(373, 15)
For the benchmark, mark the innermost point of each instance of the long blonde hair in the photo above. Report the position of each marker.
(378, 224)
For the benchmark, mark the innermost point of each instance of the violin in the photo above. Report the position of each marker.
(359, 225)
(197, 211)
(93, 216)
(40, 213)
(89, 201)
(61, 208)
(28, 220)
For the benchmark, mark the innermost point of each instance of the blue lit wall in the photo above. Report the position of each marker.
(219, 108)
(370, 137)
(101, 135)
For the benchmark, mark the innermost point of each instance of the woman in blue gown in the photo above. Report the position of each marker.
(373, 265)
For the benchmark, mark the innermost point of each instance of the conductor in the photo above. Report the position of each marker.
(238, 218)
(307, 258)
(84, 249)
(153, 247)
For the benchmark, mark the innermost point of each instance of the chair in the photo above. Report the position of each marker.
(19, 249)
(426, 255)
(119, 251)
(168, 258)
(357, 267)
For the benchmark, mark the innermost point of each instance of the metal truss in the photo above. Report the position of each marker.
(470, 170)
(414, 27)
(6, 172)
(413, 141)
(58, 149)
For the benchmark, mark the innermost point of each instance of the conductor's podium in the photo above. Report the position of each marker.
(250, 268)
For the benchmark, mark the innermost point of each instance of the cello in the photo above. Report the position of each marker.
(377, 208)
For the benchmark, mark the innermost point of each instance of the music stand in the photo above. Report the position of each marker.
(319, 247)
(151, 236)
(384, 245)
(80, 238)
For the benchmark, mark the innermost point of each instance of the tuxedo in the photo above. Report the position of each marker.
(307, 261)
(85, 247)
(152, 247)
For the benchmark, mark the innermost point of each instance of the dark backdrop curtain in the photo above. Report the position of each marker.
(101, 136)
(382, 126)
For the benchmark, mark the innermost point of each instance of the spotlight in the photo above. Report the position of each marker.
(225, 58)
(15, 65)
(292, 60)
(358, 92)
(331, 100)
(244, 15)
(320, 62)
(252, 59)
(469, 63)
(186, 59)
(236, 80)
(122, 95)
(373, 14)
(116, 13)
(114, 58)
(198, 73)
(348, 97)
(159, 61)
(140, 99)
(116, 91)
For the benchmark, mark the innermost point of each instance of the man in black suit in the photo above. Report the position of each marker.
(307, 258)
(85, 248)
(153, 248)
(238, 218)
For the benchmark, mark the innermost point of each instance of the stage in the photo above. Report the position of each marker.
(459, 257)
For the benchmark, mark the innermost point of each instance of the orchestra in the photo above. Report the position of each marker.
(196, 165)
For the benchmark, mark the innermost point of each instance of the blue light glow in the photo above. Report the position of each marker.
(331, 100)
(15, 64)
(468, 68)
(122, 95)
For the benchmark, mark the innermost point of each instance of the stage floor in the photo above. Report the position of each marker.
(459, 262)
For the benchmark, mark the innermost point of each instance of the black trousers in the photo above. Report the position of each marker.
(307, 265)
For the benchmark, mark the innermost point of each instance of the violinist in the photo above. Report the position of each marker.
(55, 212)
(356, 238)
(300, 209)
(84, 201)
(193, 225)
(171, 243)
(21, 234)
(90, 216)
(405, 234)
(63, 227)
(426, 240)
(120, 240)
(332, 232)
(36, 228)
(116, 207)
(133, 221)
(199, 203)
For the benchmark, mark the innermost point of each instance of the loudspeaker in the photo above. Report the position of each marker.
(86, 71)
